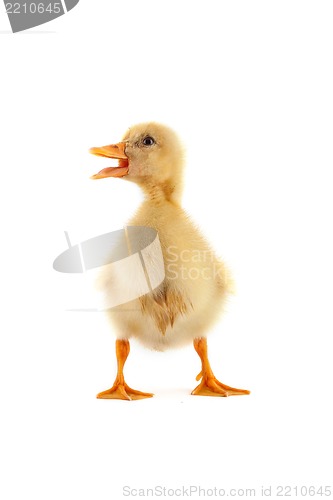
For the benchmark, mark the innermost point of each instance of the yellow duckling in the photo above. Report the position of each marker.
(196, 284)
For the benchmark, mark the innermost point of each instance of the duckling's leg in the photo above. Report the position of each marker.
(209, 385)
(120, 389)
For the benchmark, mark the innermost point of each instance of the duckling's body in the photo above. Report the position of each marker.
(185, 306)
(189, 300)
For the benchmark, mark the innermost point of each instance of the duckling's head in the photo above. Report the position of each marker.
(149, 154)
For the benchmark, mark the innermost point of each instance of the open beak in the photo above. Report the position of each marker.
(113, 151)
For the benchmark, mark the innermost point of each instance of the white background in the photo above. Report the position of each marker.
(248, 86)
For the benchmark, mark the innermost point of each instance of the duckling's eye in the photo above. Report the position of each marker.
(148, 141)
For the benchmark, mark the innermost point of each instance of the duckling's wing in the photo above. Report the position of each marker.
(164, 305)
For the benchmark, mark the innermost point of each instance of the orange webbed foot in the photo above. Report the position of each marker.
(123, 391)
(210, 386)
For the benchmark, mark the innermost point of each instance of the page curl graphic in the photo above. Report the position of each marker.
(132, 256)
(26, 14)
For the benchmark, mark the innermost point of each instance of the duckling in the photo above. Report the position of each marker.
(189, 300)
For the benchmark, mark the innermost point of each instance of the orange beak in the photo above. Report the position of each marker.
(113, 151)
